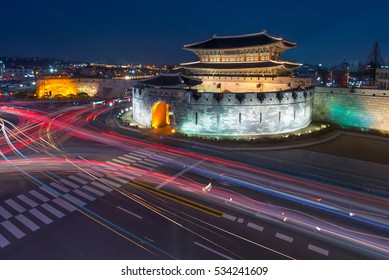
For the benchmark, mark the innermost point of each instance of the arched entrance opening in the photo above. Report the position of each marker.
(160, 115)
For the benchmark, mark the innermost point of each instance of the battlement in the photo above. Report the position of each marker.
(251, 98)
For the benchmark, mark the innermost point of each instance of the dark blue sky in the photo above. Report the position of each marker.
(154, 32)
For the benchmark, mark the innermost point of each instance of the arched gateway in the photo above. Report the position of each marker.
(238, 87)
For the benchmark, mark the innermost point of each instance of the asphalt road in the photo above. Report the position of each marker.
(85, 189)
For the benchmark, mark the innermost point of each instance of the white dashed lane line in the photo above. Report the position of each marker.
(318, 250)
(284, 237)
(254, 226)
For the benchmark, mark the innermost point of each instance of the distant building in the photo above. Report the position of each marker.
(382, 77)
(2, 69)
(355, 66)
(19, 72)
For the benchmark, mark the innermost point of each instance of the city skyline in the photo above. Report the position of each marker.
(155, 33)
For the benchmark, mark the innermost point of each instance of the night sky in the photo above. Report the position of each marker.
(154, 32)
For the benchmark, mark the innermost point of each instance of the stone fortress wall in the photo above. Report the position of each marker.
(106, 88)
(228, 114)
(358, 107)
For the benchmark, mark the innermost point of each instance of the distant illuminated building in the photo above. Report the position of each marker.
(382, 77)
(238, 88)
(2, 69)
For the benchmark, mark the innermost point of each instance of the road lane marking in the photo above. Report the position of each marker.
(117, 179)
(141, 166)
(141, 153)
(126, 160)
(59, 187)
(27, 222)
(67, 182)
(132, 157)
(127, 176)
(129, 212)
(118, 161)
(240, 220)
(27, 200)
(318, 250)
(229, 217)
(5, 213)
(13, 229)
(163, 158)
(85, 195)
(95, 173)
(79, 180)
(101, 186)
(109, 182)
(3, 241)
(86, 176)
(284, 237)
(52, 210)
(94, 191)
(180, 173)
(75, 200)
(41, 216)
(149, 164)
(152, 161)
(15, 205)
(39, 196)
(255, 226)
(64, 205)
(213, 251)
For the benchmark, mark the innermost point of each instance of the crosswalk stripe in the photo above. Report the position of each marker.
(92, 190)
(59, 187)
(163, 158)
(15, 205)
(27, 200)
(95, 173)
(79, 180)
(101, 186)
(118, 179)
(39, 196)
(128, 176)
(86, 176)
(141, 166)
(84, 195)
(153, 161)
(141, 154)
(40, 216)
(109, 182)
(149, 164)
(115, 165)
(5, 213)
(75, 200)
(133, 157)
(53, 210)
(27, 222)
(120, 161)
(13, 229)
(67, 182)
(127, 159)
(3, 241)
(64, 205)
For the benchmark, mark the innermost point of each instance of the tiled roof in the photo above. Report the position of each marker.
(239, 41)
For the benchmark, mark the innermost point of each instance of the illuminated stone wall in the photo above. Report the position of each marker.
(107, 88)
(250, 84)
(228, 114)
(362, 108)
